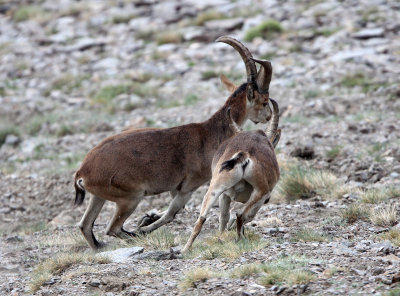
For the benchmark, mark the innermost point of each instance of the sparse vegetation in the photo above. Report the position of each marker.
(386, 216)
(169, 37)
(308, 235)
(206, 16)
(333, 152)
(246, 270)
(106, 94)
(27, 12)
(374, 196)
(267, 30)
(286, 270)
(393, 235)
(58, 264)
(206, 75)
(191, 99)
(311, 93)
(360, 80)
(160, 239)
(121, 19)
(192, 277)
(300, 183)
(355, 212)
(224, 245)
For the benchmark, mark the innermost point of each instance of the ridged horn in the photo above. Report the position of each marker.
(274, 122)
(251, 69)
(232, 124)
(263, 76)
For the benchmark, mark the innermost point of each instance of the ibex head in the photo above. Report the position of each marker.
(257, 88)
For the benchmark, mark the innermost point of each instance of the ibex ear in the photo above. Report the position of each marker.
(228, 84)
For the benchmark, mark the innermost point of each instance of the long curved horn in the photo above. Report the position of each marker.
(232, 124)
(274, 122)
(251, 69)
(264, 76)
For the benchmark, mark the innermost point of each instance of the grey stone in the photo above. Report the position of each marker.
(369, 33)
(95, 283)
(225, 24)
(158, 255)
(12, 140)
(384, 247)
(122, 255)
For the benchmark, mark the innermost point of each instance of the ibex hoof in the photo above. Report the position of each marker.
(148, 219)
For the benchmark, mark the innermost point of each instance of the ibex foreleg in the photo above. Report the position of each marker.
(224, 205)
(175, 206)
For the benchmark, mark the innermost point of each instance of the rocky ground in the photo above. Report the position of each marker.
(74, 72)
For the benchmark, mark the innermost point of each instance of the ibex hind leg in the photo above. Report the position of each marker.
(122, 212)
(87, 221)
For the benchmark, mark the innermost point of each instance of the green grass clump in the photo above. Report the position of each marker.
(362, 81)
(107, 94)
(224, 245)
(333, 152)
(191, 99)
(27, 12)
(308, 235)
(355, 212)
(286, 270)
(206, 75)
(57, 265)
(7, 130)
(298, 182)
(267, 30)
(246, 270)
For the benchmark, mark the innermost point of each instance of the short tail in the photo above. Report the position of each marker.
(79, 191)
(240, 157)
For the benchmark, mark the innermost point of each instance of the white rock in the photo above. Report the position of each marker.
(121, 255)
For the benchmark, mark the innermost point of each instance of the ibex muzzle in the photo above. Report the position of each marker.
(128, 166)
(245, 170)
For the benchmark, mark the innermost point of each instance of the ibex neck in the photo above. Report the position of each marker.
(218, 124)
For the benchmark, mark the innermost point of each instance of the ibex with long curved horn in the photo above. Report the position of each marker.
(245, 170)
(128, 166)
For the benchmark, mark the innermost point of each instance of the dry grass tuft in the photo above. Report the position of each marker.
(384, 216)
(308, 235)
(393, 235)
(355, 212)
(194, 276)
(374, 195)
(246, 270)
(160, 239)
(168, 37)
(301, 183)
(224, 245)
(58, 264)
